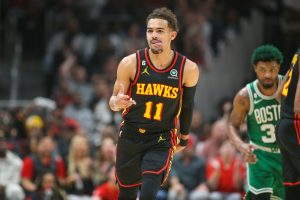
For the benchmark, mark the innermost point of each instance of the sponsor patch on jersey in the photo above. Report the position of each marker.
(173, 74)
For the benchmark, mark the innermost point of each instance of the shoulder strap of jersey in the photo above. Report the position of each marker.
(182, 60)
(138, 66)
(250, 89)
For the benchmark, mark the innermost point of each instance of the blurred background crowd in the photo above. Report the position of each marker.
(58, 61)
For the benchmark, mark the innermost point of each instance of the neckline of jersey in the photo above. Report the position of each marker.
(174, 59)
(265, 96)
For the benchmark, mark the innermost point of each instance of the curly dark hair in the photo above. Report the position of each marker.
(166, 14)
(266, 53)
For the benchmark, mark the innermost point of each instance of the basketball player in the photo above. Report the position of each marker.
(257, 103)
(154, 87)
(288, 130)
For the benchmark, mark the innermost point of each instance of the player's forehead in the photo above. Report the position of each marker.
(157, 23)
(267, 64)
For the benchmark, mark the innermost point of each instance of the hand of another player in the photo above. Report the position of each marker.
(122, 100)
(246, 151)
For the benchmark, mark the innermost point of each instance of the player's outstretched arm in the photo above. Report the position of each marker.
(241, 106)
(125, 73)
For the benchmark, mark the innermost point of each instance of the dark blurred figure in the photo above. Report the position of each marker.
(109, 189)
(48, 188)
(187, 176)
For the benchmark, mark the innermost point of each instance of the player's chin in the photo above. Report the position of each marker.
(156, 50)
(268, 85)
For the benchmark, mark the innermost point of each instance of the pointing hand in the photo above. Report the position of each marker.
(122, 100)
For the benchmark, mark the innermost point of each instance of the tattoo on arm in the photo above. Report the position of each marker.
(241, 107)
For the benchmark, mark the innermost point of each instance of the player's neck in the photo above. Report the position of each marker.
(162, 60)
(267, 92)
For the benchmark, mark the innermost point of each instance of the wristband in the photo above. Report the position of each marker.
(183, 142)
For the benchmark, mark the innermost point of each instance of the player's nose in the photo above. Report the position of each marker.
(268, 75)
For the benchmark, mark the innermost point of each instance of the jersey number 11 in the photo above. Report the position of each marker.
(158, 112)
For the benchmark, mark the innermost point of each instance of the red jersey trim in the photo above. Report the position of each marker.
(162, 169)
(173, 139)
(297, 127)
(181, 89)
(137, 74)
(158, 70)
(181, 72)
(138, 68)
(291, 184)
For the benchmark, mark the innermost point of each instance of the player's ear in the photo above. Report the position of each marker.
(173, 35)
(254, 67)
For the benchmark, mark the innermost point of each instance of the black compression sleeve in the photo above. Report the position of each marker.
(187, 109)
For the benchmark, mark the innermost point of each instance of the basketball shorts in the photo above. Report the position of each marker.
(139, 153)
(288, 137)
(265, 176)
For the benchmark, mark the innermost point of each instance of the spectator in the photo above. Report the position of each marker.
(219, 131)
(188, 175)
(197, 124)
(10, 168)
(226, 174)
(103, 114)
(62, 93)
(105, 158)
(62, 129)
(81, 113)
(104, 49)
(48, 188)
(109, 189)
(34, 166)
(210, 147)
(110, 68)
(79, 180)
(60, 47)
(34, 130)
(78, 83)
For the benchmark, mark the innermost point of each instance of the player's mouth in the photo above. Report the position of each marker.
(268, 81)
(156, 42)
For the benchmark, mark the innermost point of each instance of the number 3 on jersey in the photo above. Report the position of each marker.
(158, 112)
(270, 130)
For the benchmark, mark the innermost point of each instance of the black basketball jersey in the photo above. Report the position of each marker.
(289, 89)
(157, 94)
